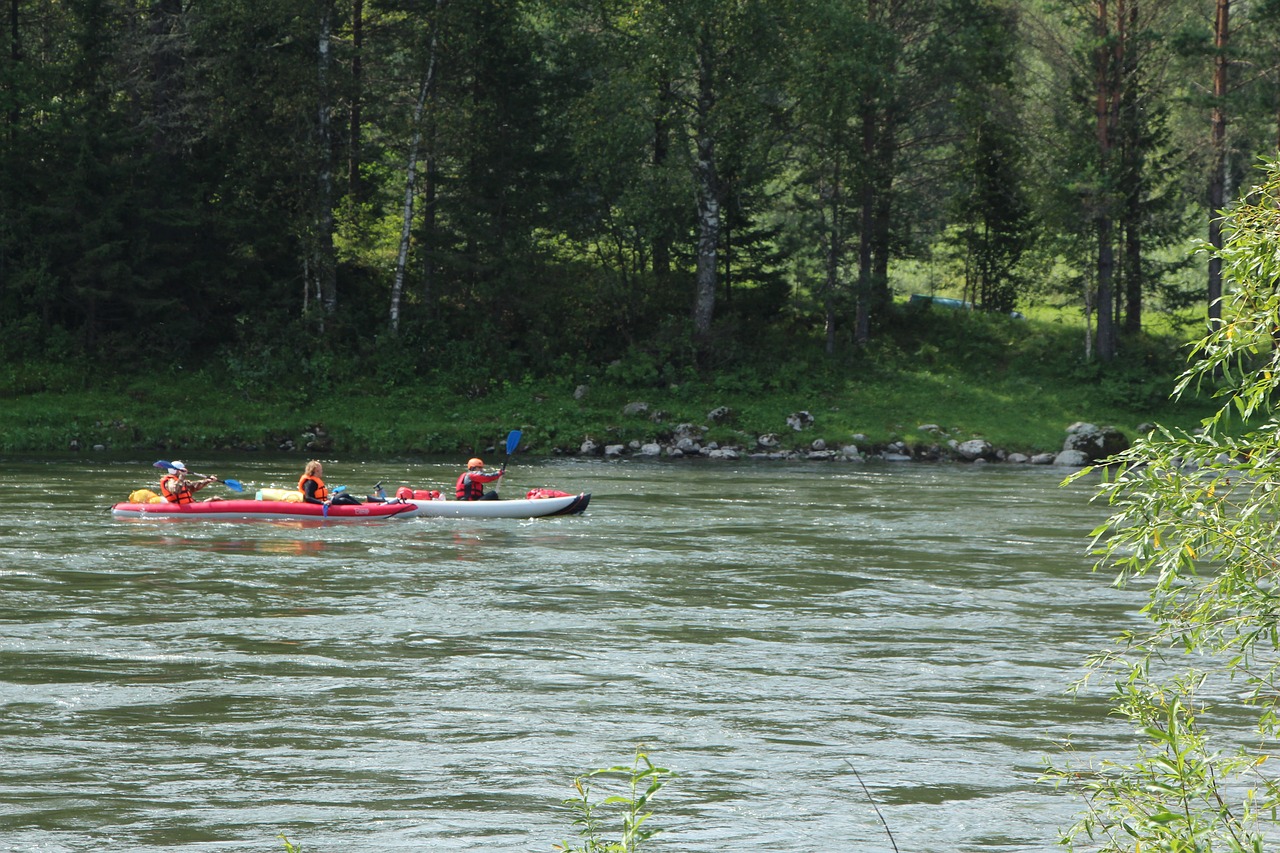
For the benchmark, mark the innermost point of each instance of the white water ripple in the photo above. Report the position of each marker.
(424, 684)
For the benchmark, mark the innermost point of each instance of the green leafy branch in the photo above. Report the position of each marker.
(641, 781)
(1195, 520)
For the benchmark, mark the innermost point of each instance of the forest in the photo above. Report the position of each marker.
(396, 188)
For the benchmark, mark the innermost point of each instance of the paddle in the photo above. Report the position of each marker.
(233, 485)
(337, 491)
(513, 440)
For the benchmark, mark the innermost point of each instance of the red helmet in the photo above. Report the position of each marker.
(475, 463)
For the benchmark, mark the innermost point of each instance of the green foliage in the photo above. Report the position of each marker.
(669, 358)
(1171, 797)
(641, 781)
(975, 373)
(1195, 522)
(636, 369)
(160, 201)
(20, 373)
(990, 207)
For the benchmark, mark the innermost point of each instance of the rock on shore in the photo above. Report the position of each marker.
(1085, 444)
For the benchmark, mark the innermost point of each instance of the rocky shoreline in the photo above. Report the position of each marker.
(1085, 444)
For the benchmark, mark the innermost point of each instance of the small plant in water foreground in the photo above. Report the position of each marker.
(642, 780)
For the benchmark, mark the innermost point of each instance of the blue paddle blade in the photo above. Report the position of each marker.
(162, 464)
(513, 439)
(233, 485)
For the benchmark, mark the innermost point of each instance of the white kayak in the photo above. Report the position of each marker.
(521, 508)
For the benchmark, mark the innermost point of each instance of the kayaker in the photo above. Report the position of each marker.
(176, 489)
(313, 489)
(471, 483)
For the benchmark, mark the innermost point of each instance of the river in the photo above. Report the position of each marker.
(771, 632)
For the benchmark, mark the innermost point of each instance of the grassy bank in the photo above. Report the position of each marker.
(1017, 383)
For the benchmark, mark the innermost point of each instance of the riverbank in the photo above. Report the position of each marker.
(1013, 385)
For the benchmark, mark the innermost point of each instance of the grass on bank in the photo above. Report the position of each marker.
(1017, 383)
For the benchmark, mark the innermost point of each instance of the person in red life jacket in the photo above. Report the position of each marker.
(177, 489)
(313, 489)
(471, 483)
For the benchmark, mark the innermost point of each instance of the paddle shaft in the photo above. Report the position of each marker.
(233, 485)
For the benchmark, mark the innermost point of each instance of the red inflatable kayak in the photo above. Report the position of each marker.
(270, 510)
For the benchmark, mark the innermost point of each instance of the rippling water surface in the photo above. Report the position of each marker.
(763, 629)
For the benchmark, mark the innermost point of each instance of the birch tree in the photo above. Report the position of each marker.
(684, 86)
(832, 67)
(411, 171)
(716, 61)
(321, 266)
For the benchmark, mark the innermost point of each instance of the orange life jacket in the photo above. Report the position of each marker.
(468, 489)
(321, 491)
(179, 494)
(471, 485)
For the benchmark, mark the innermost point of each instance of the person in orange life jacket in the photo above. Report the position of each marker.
(471, 483)
(176, 489)
(313, 489)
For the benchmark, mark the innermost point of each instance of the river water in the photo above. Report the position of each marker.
(770, 632)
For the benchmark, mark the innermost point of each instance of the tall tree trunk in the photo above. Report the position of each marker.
(1105, 109)
(1088, 322)
(871, 114)
(708, 188)
(12, 117)
(1134, 277)
(406, 219)
(429, 192)
(324, 266)
(1105, 297)
(165, 61)
(406, 222)
(866, 229)
(15, 54)
(355, 183)
(886, 138)
(661, 151)
(1132, 129)
(835, 251)
(1218, 177)
(726, 240)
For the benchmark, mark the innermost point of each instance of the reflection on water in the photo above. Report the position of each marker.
(434, 684)
(293, 547)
